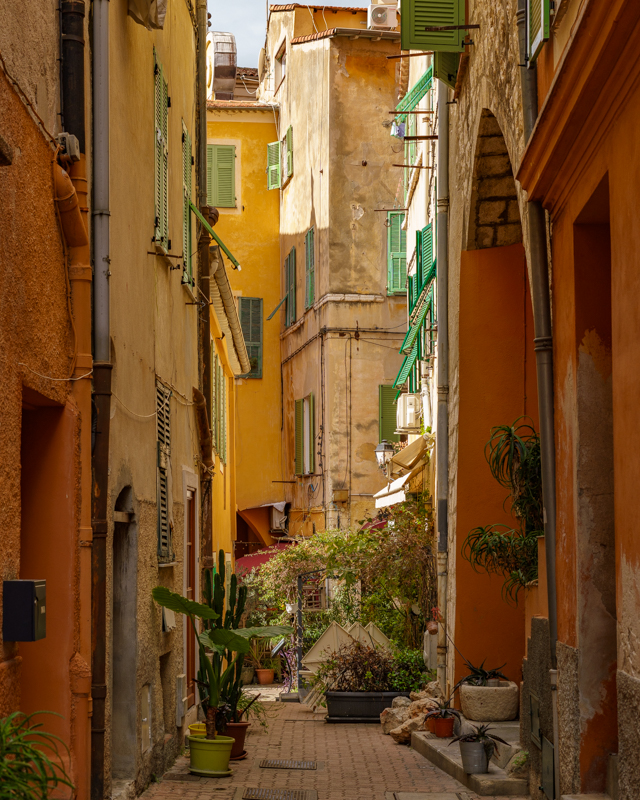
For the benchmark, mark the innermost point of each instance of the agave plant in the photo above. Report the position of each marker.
(26, 771)
(513, 456)
(480, 733)
(444, 710)
(479, 676)
(220, 642)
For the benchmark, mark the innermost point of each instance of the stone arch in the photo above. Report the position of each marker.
(494, 213)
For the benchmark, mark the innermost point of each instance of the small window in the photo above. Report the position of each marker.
(281, 64)
(310, 269)
(305, 436)
(221, 175)
(290, 286)
(161, 138)
(396, 253)
(250, 312)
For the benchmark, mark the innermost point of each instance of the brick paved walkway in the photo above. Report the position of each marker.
(356, 763)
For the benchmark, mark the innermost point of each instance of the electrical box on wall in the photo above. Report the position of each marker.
(24, 610)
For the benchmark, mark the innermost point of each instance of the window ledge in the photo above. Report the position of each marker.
(190, 293)
(165, 564)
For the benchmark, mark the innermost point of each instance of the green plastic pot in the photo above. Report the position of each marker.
(210, 757)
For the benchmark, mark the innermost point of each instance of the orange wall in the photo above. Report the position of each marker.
(497, 385)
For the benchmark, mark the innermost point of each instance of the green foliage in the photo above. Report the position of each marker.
(408, 673)
(250, 707)
(443, 710)
(480, 733)
(26, 771)
(479, 676)
(513, 455)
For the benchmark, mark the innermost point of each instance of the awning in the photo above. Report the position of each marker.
(407, 366)
(410, 456)
(247, 563)
(396, 491)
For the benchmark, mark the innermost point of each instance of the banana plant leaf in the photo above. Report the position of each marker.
(182, 605)
(221, 640)
(266, 631)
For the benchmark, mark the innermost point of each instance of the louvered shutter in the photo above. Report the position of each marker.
(163, 422)
(311, 444)
(445, 67)
(538, 25)
(223, 414)
(387, 413)
(251, 323)
(214, 401)
(420, 14)
(310, 264)
(273, 165)
(161, 149)
(289, 146)
(419, 265)
(186, 209)
(165, 164)
(426, 252)
(224, 184)
(396, 253)
(299, 437)
(291, 287)
(210, 167)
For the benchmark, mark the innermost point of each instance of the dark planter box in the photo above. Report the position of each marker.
(359, 706)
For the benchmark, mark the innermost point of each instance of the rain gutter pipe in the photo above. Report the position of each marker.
(442, 416)
(101, 387)
(543, 343)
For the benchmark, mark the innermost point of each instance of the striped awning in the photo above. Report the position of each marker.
(407, 366)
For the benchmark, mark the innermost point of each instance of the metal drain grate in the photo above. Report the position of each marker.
(278, 794)
(286, 763)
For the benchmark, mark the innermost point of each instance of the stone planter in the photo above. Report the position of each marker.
(359, 706)
(489, 703)
(248, 671)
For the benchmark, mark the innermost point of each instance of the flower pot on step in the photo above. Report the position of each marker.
(431, 724)
(265, 676)
(237, 731)
(248, 671)
(198, 729)
(474, 758)
(489, 703)
(443, 727)
(210, 757)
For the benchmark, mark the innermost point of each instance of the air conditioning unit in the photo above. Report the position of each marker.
(382, 17)
(408, 413)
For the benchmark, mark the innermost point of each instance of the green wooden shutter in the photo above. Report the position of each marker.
(387, 413)
(291, 287)
(163, 422)
(223, 171)
(426, 251)
(419, 265)
(218, 407)
(420, 14)
(445, 67)
(299, 437)
(396, 253)
(186, 210)
(310, 266)
(210, 169)
(538, 24)
(311, 444)
(251, 323)
(161, 154)
(223, 415)
(214, 400)
(289, 147)
(273, 165)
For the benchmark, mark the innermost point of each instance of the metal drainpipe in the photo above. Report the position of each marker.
(72, 74)
(442, 419)
(204, 322)
(544, 365)
(101, 386)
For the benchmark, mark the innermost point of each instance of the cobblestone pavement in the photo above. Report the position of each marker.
(355, 762)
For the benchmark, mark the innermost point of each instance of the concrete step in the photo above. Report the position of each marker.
(585, 797)
(448, 759)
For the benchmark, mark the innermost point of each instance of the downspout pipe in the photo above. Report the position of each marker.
(442, 415)
(543, 346)
(101, 388)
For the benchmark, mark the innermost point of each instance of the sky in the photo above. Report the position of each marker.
(247, 20)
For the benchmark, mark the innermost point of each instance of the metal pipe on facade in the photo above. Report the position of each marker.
(442, 418)
(101, 387)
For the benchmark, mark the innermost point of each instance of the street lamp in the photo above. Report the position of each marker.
(384, 453)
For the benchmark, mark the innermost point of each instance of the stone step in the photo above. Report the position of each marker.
(585, 797)
(448, 759)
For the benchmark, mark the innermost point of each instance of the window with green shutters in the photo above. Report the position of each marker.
(445, 67)
(163, 430)
(424, 253)
(161, 172)
(420, 14)
(219, 410)
(538, 26)
(214, 401)
(287, 165)
(305, 435)
(290, 285)
(221, 175)
(250, 309)
(387, 413)
(273, 165)
(310, 269)
(396, 253)
(187, 170)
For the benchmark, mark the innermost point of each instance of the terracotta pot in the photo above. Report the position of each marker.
(431, 724)
(432, 627)
(237, 731)
(265, 676)
(443, 727)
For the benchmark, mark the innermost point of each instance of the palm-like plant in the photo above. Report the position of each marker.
(26, 771)
(444, 710)
(221, 642)
(513, 455)
(479, 676)
(480, 733)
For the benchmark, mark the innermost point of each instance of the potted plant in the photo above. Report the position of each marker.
(359, 681)
(259, 655)
(441, 720)
(487, 695)
(476, 749)
(222, 646)
(26, 772)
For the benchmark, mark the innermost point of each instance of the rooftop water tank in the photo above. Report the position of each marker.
(222, 65)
